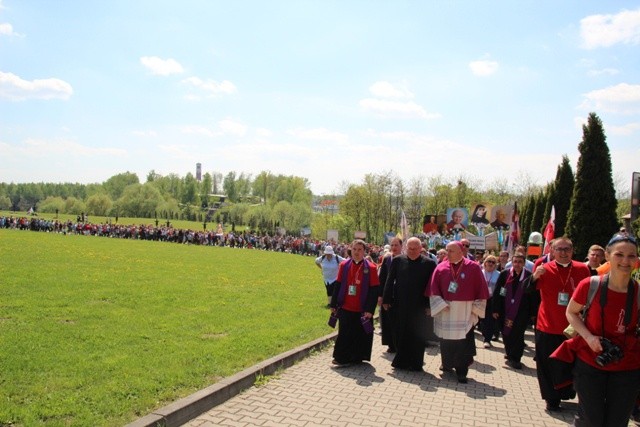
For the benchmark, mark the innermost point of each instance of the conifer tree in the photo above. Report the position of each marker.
(538, 211)
(592, 216)
(550, 191)
(561, 196)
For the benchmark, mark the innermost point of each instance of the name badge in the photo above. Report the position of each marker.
(453, 287)
(503, 292)
(563, 298)
(352, 290)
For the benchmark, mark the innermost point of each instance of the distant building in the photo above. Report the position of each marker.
(199, 172)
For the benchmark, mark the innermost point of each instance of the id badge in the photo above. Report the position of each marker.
(563, 298)
(453, 287)
(503, 292)
(352, 290)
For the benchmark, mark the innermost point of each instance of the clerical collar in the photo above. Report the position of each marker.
(563, 265)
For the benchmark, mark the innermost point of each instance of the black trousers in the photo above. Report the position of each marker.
(605, 398)
(552, 374)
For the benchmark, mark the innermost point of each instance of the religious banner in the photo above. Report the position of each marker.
(500, 217)
(430, 224)
(457, 219)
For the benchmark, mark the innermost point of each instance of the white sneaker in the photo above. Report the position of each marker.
(487, 345)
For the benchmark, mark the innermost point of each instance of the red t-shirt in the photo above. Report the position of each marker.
(614, 328)
(355, 277)
(552, 317)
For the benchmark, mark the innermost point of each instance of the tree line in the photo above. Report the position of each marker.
(585, 203)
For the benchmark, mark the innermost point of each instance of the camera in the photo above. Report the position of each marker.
(610, 353)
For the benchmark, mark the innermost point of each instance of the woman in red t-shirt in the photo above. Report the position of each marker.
(607, 373)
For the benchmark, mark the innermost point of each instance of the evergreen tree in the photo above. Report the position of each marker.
(592, 216)
(538, 211)
(527, 216)
(562, 192)
(551, 199)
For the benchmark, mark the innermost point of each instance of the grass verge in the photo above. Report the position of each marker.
(99, 331)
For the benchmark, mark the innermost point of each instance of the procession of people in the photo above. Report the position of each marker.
(461, 295)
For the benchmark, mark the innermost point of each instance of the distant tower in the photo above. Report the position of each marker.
(199, 172)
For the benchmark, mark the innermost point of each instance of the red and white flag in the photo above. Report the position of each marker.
(549, 231)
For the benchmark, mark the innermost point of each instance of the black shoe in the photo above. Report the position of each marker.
(391, 350)
(443, 369)
(463, 380)
(553, 406)
(515, 364)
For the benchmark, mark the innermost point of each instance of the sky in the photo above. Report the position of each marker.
(327, 90)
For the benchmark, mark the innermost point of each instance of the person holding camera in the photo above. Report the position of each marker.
(607, 348)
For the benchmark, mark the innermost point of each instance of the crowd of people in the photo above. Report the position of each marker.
(165, 232)
(584, 313)
(453, 294)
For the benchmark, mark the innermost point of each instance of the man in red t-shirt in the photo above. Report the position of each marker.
(555, 281)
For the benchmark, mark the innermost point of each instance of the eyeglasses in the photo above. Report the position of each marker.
(563, 249)
(489, 262)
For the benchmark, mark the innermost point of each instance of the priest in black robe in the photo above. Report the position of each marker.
(405, 287)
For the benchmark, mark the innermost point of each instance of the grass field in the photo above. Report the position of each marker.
(97, 331)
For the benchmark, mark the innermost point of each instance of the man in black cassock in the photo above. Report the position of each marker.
(405, 287)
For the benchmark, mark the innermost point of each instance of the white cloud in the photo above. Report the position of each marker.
(179, 152)
(319, 134)
(17, 89)
(224, 127)
(625, 130)
(231, 127)
(200, 130)
(6, 29)
(385, 108)
(622, 98)
(384, 89)
(211, 86)
(161, 67)
(484, 67)
(604, 71)
(43, 148)
(607, 30)
(263, 132)
(145, 133)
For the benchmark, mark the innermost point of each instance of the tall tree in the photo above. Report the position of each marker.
(561, 195)
(592, 216)
(229, 186)
(538, 211)
(116, 184)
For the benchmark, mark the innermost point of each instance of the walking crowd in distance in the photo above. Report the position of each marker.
(592, 352)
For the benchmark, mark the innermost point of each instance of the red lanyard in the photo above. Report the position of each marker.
(455, 276)
(565, 281)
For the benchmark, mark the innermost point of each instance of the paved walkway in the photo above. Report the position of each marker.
(313, 392)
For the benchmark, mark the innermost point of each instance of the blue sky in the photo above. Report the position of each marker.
(327, 90)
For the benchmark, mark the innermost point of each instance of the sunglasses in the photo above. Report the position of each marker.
(622, 238)
(489, 262)
(466, 246)
(564, 249)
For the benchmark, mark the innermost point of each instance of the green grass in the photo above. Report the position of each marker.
(98, 331)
